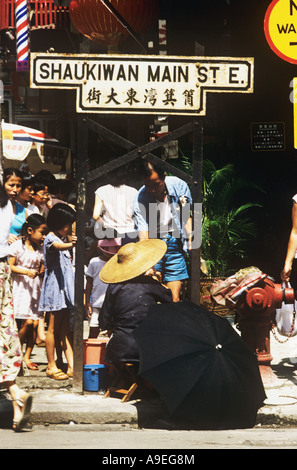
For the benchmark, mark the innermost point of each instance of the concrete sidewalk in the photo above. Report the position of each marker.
(55, 403)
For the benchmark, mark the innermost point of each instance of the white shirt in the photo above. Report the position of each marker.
(6, 218)
(99, 287)
(117, 207)
(165, 222)
(31, 209)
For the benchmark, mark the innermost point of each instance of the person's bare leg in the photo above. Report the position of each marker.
(59, 338)
(54, 328)
(17, 395)
(31, 338)
(24, 331)
(50, 344)
(41, 331)
(66, 337)
(175, 287)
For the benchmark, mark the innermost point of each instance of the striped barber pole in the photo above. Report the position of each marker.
(22, 35)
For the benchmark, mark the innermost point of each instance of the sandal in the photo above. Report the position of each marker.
(25, 403)
(57, 375)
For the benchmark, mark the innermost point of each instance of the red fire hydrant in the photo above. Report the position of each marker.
(256, 309)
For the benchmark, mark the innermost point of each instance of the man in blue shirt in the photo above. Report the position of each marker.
(162, 209)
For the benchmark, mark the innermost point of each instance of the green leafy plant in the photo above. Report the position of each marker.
(227, 224)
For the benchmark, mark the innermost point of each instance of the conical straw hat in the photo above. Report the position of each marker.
(132, 260)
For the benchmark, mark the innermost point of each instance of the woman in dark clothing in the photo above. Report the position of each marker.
(131, 292)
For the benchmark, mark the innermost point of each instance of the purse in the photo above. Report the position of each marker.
(285, 320)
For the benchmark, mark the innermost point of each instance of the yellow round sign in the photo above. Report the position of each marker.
(280, 27)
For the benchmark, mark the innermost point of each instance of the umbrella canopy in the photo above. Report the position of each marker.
(18, 140)
(200, 366)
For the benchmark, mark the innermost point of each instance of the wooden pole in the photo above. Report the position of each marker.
(81, 157)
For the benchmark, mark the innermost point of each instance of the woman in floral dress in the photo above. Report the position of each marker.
(10, 348)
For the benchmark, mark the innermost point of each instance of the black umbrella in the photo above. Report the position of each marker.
(200, 366)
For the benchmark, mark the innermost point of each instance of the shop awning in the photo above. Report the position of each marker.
(17, 141)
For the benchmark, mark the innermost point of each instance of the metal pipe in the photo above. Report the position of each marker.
(123, 22)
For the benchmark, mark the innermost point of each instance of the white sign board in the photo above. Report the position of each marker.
(142, 84)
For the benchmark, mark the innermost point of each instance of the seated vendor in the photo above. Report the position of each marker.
(131, 292)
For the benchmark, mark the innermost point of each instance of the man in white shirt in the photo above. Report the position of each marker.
(113, 209)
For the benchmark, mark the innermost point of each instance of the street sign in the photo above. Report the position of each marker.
(280, 27)
(142, 84)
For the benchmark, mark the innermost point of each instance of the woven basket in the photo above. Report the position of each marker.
(207, 302)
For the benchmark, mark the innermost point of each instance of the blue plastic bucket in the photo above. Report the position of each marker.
(95, 377)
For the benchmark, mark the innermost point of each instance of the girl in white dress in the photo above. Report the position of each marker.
(27, 267)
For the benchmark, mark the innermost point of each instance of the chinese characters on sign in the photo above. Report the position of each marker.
(142, 84)
(268, 136)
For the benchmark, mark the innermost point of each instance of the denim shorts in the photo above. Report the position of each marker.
(173, 264)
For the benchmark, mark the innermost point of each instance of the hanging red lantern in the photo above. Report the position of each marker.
(94, 20)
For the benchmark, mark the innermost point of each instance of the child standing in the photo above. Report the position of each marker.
(40, 197)
(95, 288)
(26, 264)
(57, 293)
